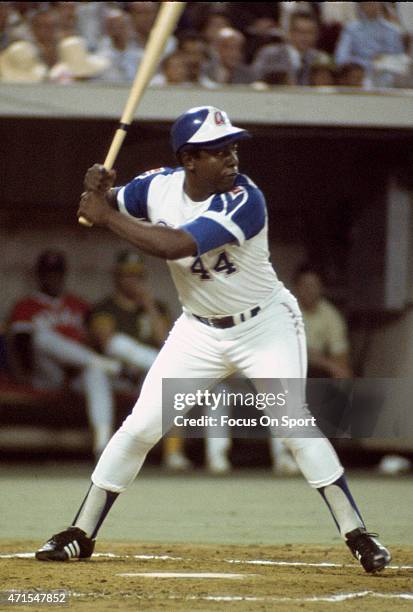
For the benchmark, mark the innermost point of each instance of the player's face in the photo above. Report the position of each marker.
(303, 34)
(217, 169)
(52, 282)
(130, 284)
(309, 290)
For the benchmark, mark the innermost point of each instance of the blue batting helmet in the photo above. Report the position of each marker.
(205, 127)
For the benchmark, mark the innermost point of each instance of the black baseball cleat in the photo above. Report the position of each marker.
(364, 546)
(72, 543)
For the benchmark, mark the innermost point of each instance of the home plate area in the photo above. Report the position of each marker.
(206, 577)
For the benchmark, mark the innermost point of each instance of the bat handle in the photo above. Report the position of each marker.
(110, 160)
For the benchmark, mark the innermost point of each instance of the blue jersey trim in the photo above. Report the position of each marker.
(244, 206)
(208, 234)
(251, 217)
(136, 192)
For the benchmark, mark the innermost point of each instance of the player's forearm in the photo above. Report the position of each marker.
(157, 240)
(159, 328)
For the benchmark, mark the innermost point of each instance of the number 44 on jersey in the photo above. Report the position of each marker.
(222, 264)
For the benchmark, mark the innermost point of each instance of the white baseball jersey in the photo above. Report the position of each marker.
(231, 272)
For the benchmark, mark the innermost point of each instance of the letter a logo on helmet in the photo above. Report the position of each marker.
(219, 119)
(204, 127)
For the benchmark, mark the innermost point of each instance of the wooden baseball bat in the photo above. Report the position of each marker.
(163, 27)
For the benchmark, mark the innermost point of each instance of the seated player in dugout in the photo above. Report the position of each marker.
(325, 327)
(209, 221)
(328, 351)
(130, 325)
(48, 345)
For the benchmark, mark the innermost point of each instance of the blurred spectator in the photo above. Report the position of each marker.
(294, 58)
(326, 329)
(174, 70)
(261, 31)
(351, 75)
(212, 24)
(67, 18)
(374, 43)
(288, 9)
(48, 345)
(195, 51)
(25, 9)
(333, 17)
(75, 63)
(227, 58)
(130, 326)
(5, 12)
(21, 13)
(322, 75)
(143, 15)
(258, 21)
(404, 14)
(20, 63)
(118, 48)
(91, 17)
(259, 15)
(338, 12)
(45, 34)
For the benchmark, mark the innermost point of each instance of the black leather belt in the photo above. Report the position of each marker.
(230, 321)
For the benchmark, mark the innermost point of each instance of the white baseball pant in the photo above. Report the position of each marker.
(270, 345)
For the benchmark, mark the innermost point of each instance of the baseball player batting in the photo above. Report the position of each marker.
(209, 222)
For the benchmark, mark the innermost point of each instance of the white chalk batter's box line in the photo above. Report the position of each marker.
(335, 598)
(110, 555)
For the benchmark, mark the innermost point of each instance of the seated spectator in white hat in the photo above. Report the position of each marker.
(118, 47)
(75, 63)
(20, 63)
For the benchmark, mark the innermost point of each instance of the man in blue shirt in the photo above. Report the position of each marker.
(365, 40)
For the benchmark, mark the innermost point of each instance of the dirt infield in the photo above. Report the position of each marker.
(265, 530)
(289, 577)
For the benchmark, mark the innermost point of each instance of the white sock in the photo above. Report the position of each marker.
(342, 510)
(93, 510)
